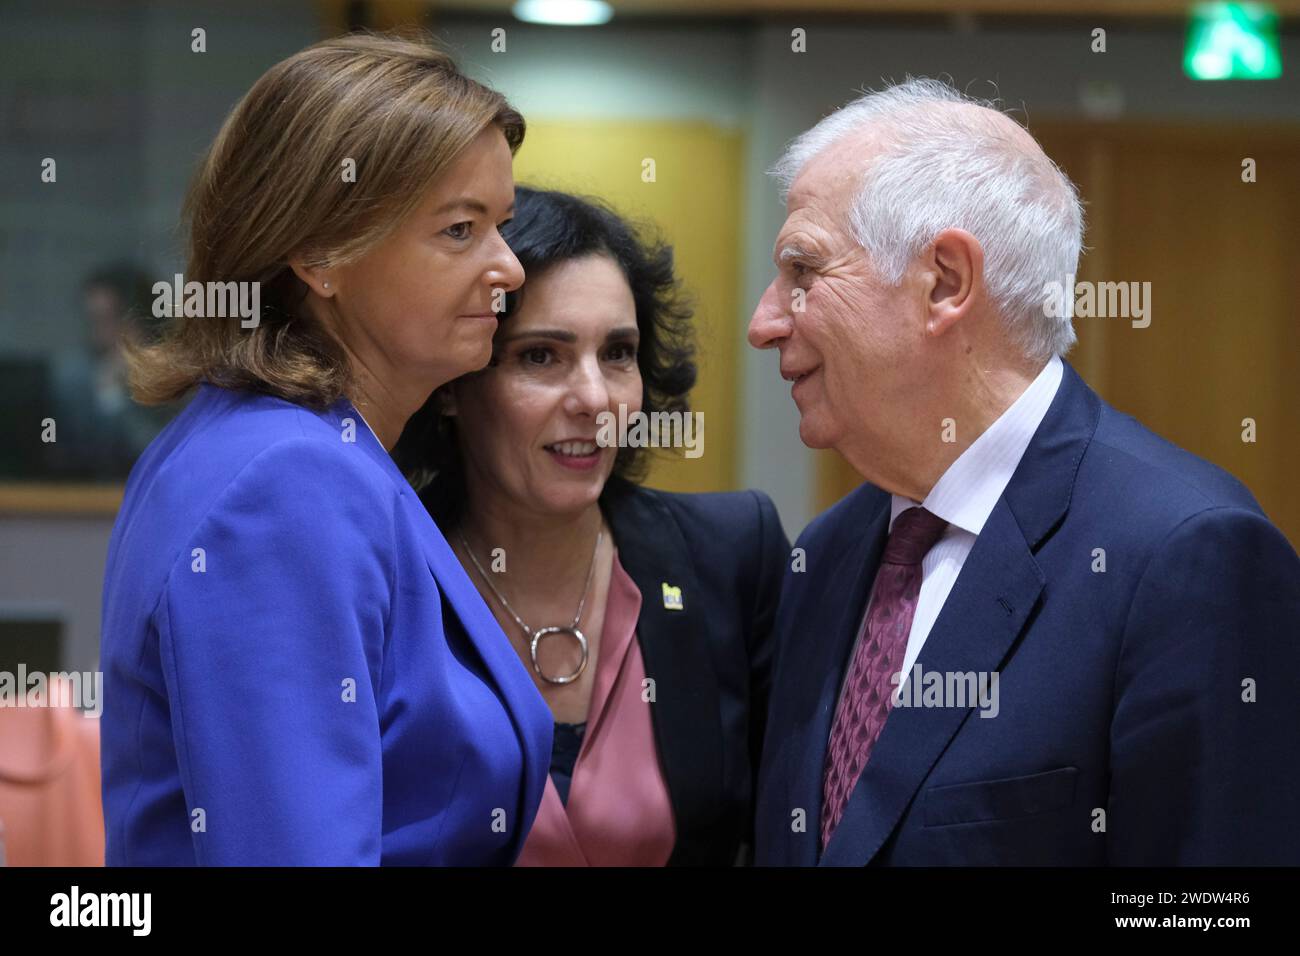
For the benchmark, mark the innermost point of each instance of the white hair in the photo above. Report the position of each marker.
(945, 165)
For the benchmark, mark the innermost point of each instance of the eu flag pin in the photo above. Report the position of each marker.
(672, 597)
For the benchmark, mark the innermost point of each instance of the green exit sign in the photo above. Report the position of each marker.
(1232, 41)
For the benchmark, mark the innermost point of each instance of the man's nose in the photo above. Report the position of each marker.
(771, 322)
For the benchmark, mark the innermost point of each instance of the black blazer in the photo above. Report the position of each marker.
(710, 661)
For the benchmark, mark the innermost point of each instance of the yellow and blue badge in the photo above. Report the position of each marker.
(672, 597)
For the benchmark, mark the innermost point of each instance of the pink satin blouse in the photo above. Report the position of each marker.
(618, 812)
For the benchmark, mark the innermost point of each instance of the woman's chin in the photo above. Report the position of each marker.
(471, 357)
(572, 501)
(479, 357)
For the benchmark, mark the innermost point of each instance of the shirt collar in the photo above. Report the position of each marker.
(966, 493)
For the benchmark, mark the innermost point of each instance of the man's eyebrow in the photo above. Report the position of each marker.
(794, 250)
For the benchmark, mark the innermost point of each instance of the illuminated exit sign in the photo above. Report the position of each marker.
(1232, 41)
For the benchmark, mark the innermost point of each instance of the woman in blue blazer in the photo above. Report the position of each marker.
(297, 669)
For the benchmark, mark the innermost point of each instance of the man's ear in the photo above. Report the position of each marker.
(956, 264)
(319, 278)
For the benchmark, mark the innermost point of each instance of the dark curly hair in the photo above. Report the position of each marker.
(549, 228)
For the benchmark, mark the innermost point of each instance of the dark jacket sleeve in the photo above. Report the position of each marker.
(1205, 740)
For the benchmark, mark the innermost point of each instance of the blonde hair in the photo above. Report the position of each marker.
(272, 187)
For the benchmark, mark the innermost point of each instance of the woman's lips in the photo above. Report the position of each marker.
(575, 455)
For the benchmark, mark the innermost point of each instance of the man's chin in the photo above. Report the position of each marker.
(814, 434)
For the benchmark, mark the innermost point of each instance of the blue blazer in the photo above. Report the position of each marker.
(296, 668)
(1149, 714)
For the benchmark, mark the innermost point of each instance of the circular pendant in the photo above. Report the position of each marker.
(547, 632)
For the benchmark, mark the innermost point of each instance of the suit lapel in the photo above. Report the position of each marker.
(531, 717)
(994, 597)
(998, 588)
(830, 637)
(528, 711)
(675, 647)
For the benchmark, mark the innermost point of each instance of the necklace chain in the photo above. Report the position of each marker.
(528, 631)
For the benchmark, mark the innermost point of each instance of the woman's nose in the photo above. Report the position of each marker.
(505, 270)
(588, 392)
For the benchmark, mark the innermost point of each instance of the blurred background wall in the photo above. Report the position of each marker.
(711, 91)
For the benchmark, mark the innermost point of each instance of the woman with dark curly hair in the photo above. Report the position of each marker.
(643, 616)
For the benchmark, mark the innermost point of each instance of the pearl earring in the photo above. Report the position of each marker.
(327, 285)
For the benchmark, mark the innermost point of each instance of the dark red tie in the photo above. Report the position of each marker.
(868, 690)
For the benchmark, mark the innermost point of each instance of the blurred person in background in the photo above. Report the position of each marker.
(100, 430)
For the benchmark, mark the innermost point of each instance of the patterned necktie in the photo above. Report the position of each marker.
(868, 691)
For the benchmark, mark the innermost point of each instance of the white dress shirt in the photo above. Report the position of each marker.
(965, 496)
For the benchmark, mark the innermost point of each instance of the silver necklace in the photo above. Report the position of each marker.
(535, 637)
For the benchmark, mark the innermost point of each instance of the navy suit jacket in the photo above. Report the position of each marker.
(1148, 714)
(296, 668)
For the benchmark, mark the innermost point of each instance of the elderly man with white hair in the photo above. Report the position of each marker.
(1038, 633)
